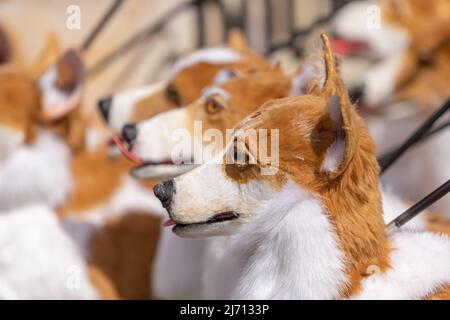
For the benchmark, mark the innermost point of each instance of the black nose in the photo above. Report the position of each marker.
(356, 94)
(129, 132)
(164, 192)
(104, 105)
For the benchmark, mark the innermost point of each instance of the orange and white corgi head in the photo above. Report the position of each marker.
(187, 79)
(181, 135)
(318, 137)
(398, 39)
(27, 100)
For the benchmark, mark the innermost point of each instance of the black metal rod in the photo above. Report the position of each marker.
(303, 32)
(268, 11)
(101, 24)
(387, 160)
(419, 206)
(436, 130)
(137, 38)
(200, 15)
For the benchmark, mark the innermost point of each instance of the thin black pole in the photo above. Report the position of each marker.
(101, 24)
(269, 22)
(137, 38)
(419, 206)
(387, 160)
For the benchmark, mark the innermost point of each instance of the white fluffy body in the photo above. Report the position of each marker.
(38, 260)
(420, 265)
(37, 173)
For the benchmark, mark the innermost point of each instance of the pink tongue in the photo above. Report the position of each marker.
(169, 223)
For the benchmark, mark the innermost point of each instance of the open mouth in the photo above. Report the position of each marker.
(125, 148)
(218, 218)
(145, 170)
(348, 47)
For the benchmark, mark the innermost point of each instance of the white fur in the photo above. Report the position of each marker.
(223, 76)
(420, 265)
(38, 260)
(351, 22)
(215, 91)
(9, 140)
(219, 55)
(380, 81)
(154, 141)
(129, 197)
(334, 156)
(311, 70)
(37, 173)
(161, 171)
(393, 206)
(51, 95)
(124, 102)
(290, 251)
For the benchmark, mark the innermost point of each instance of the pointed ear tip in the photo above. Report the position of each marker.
(326, 43)
(236, 37)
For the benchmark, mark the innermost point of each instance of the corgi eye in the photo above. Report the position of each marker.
(173, 95)
(214, 105)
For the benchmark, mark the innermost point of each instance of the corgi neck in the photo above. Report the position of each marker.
(295, 257)
(353, 202)
(331, 241)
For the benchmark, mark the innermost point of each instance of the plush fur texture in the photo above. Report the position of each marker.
(419, 262)
(85, 185)
(25, 178)
(188, 77)
(56, 272)
(345, 205)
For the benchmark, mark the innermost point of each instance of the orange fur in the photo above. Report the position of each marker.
(352, 199)
(124, 250)
(424, 78)
(190, 82)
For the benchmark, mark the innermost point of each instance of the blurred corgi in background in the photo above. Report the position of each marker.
(321, 210)
(187, 80)
(407, 77)
(43, 142)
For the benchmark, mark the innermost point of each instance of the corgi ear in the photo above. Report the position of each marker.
(62, 85)
(343, 118)
(47, 56)
(237, 40)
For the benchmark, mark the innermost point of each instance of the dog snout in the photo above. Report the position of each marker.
(129, 132)
(164, 192)
(104, 105)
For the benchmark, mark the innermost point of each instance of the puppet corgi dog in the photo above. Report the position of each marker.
(171, 250)
(313, 229)
(413, 70)
(187, 79)
(411, 45)
(220, 107)
(44, 142)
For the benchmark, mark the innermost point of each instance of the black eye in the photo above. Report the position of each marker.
(213, 106)
(172, 95)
